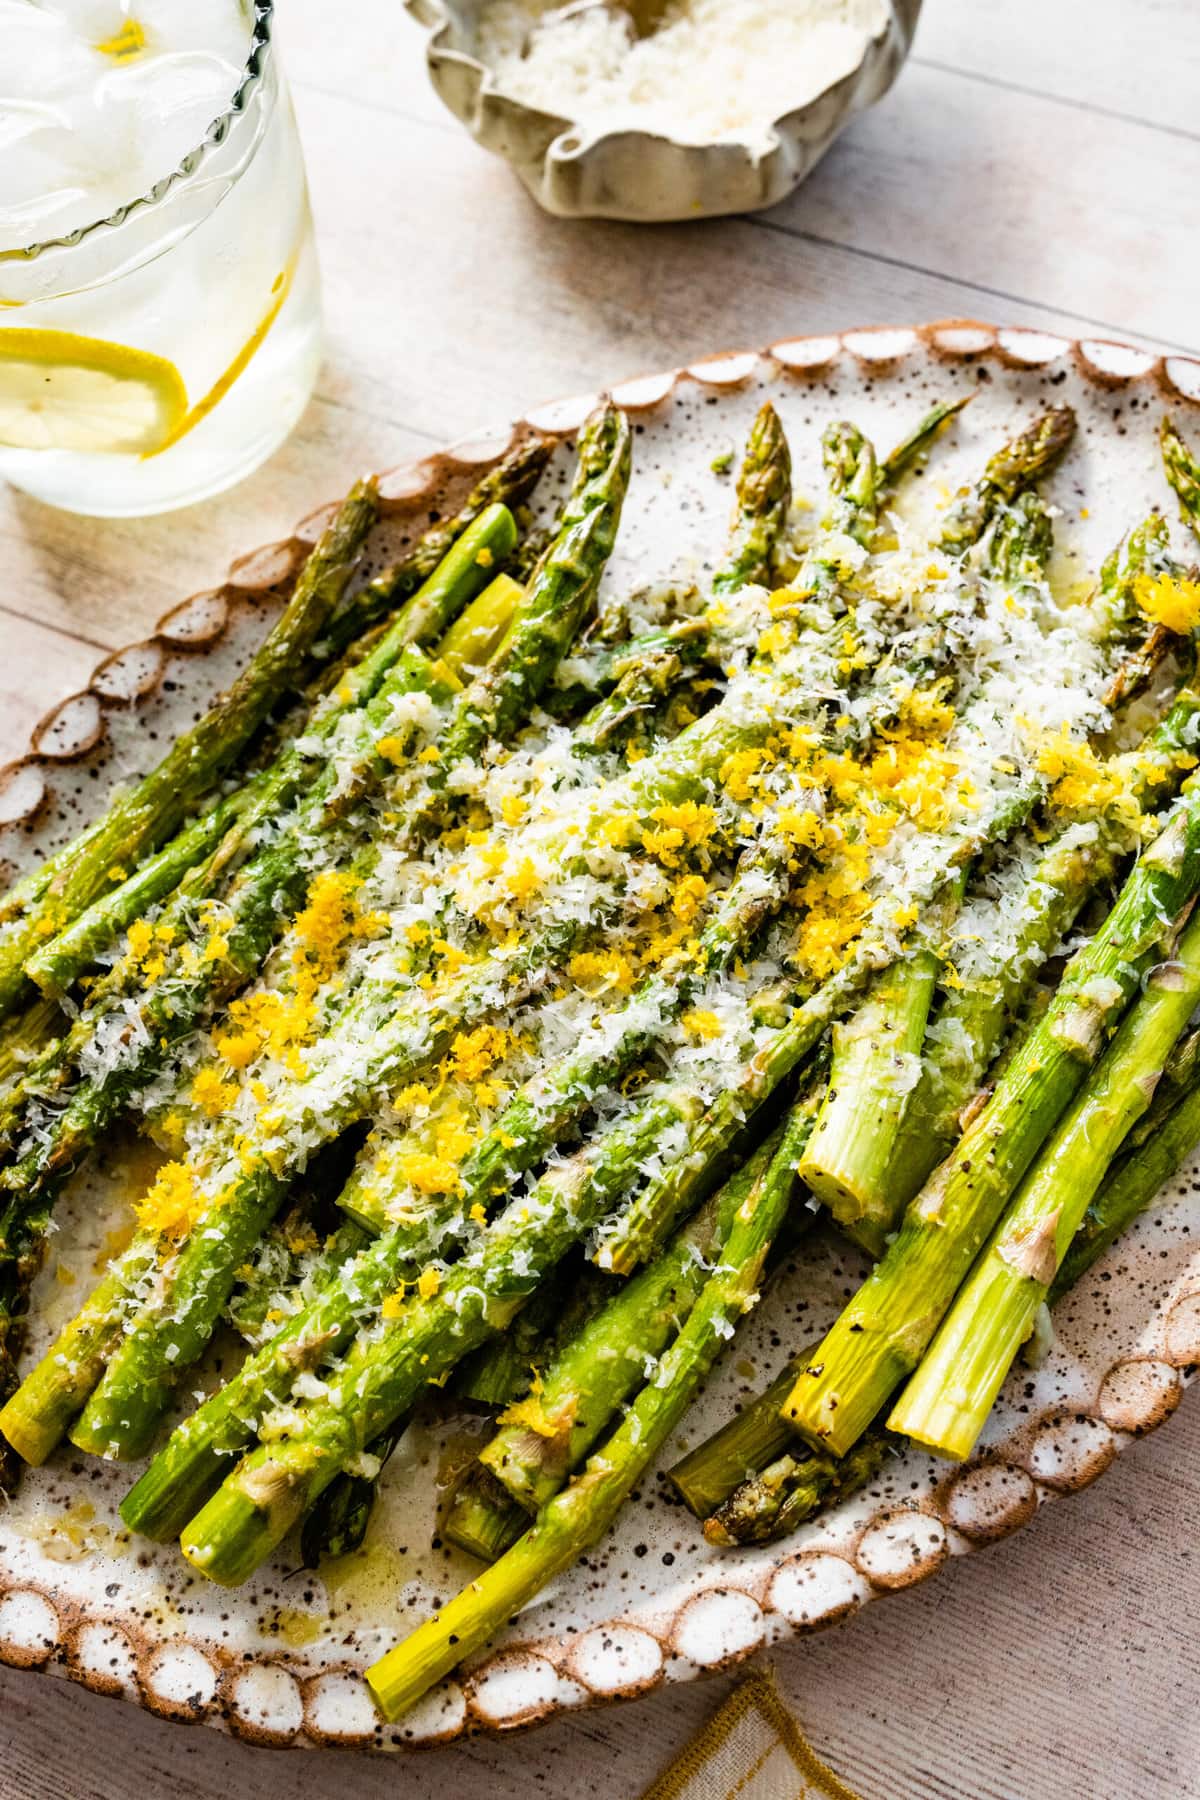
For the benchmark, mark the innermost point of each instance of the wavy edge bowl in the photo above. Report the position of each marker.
(727, 1611)
(645, 177)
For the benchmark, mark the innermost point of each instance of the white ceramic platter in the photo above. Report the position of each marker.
(281, 1660)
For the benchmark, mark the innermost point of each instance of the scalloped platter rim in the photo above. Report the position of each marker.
(281, 1661)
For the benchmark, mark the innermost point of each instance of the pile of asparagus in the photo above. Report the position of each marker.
(508, 969)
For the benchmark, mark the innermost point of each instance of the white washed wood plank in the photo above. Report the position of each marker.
(38, 667)
(1020, 195)
(1141, 59)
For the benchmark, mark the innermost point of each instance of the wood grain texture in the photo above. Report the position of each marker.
(1036, 163)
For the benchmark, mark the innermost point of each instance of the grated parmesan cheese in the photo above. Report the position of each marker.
(714, 69)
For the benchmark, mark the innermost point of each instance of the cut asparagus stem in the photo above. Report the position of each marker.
(750, 1441)
(140, 819)
(483, 1518)
(876, 1061)
(790, 1490)
(580, 1514)
(947, 1402)
(477, 633)
(883, 1332)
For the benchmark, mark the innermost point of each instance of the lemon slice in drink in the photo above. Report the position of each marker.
(61, 391)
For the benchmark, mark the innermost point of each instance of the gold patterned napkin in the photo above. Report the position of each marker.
(751, 1749)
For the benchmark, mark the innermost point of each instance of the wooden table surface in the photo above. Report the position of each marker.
(1037, 163)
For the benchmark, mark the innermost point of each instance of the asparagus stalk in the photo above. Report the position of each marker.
(483, 1518)
(947, 1402)
(480, 628)
(1019, 464)
(881, 1335)
(1130, 1186)
(748, 1442)
(139, 820)
(764, 492)
(580, 1514)
(876, 1059)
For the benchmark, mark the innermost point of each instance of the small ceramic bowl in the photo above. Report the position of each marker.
(586, 171)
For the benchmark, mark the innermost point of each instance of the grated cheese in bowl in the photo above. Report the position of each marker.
(714, 71)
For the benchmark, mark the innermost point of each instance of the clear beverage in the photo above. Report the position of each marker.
(159, 293)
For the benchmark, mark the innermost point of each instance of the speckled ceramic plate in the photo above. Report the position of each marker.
(281, 1660)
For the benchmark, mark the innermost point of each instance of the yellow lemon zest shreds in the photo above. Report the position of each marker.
(449, 955)
(140, 936)
(702, 1025)
(737, 775)
(687, 827)
(393, 1306)
(325, 925)
(925, 712)
(513, 808)
(430, 754)
(473, 1053)
(211, 1094)
(145, 948)
(173, 1202)
(392, 749)
(531, 1413)
(523, 880)
(597, 970)
(416, 1094)
(1082, 783)
(478, 1213)
(301, 1239)
(216, 947)
(428, 1283)
(801, 827)
(428, 1173)
(1170, 600)
(689, 896)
